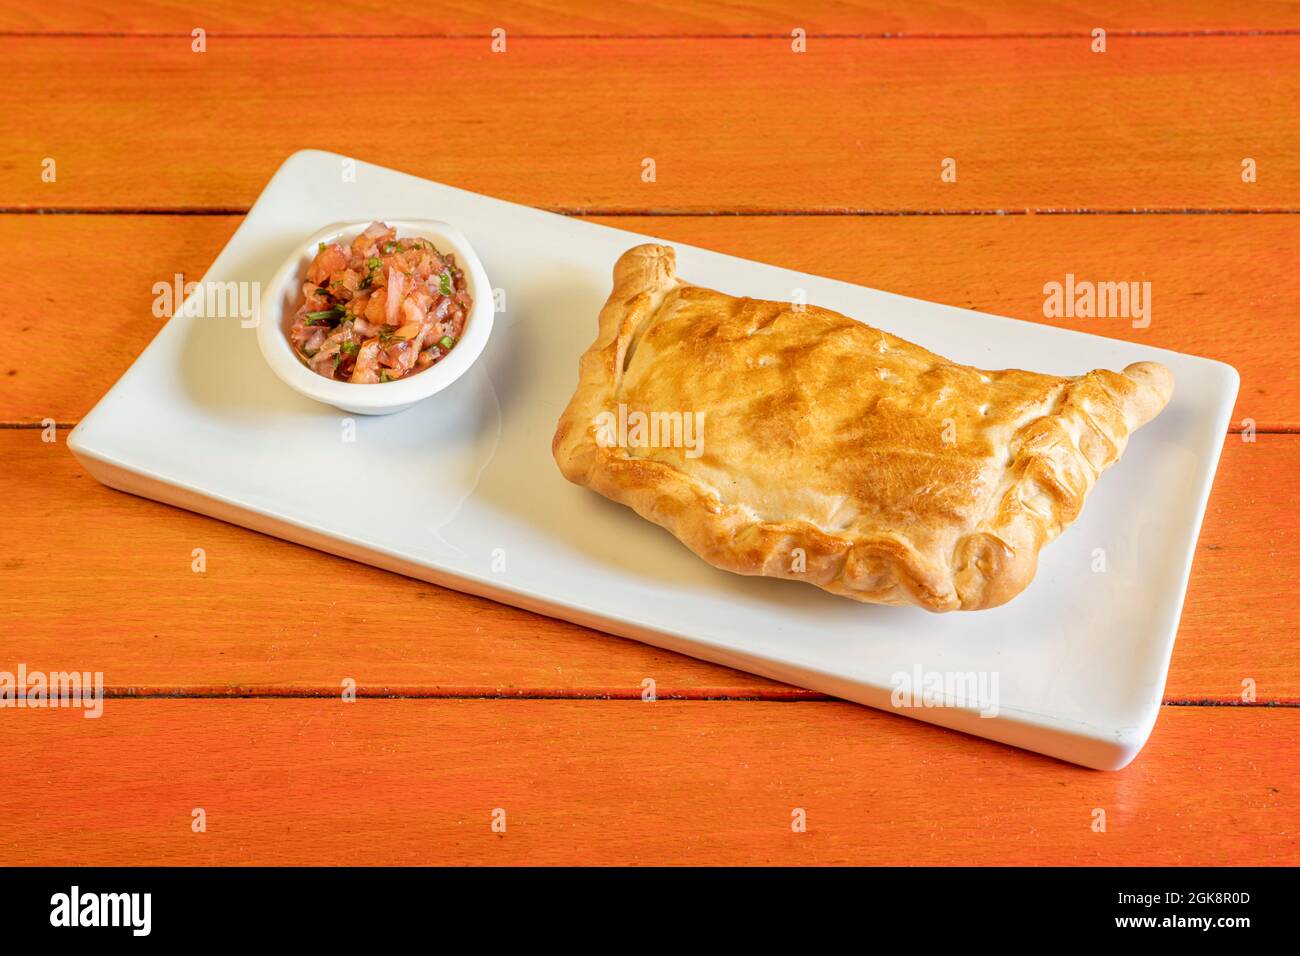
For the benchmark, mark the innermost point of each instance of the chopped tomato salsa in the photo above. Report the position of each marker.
(380, 309)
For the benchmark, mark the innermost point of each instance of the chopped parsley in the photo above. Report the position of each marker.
(348, 348)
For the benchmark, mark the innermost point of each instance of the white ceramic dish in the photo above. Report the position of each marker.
(283, 294)
(1080, 658)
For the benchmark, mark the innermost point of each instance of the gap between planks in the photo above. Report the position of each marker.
(1006, 35)
(790, 695)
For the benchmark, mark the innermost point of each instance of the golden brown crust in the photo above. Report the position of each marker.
(833, 452)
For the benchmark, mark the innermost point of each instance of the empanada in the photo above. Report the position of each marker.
(832, 452)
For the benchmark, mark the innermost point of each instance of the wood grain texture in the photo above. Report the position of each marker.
(743, 125)
(1220, 285)
(623, 782)
(95, 579)
(658, 18)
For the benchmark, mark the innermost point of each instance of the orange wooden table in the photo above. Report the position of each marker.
(1119, 165)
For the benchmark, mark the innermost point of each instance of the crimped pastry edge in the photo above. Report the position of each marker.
(988, 566)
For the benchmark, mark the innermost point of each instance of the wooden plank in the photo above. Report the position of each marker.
(657, 18)
(600, 782)
(1153, 123)
(1219, 284)
(94, 579)
(102, 577)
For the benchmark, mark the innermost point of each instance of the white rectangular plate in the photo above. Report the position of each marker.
(1079, 659)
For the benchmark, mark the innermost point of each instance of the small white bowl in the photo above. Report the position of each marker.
(281, 299)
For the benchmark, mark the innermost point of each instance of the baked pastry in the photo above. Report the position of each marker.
(832, 452)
